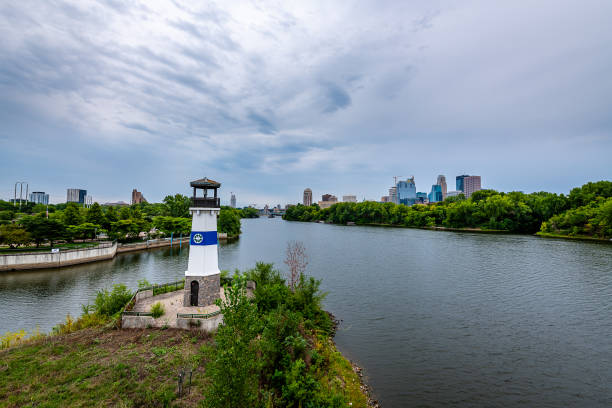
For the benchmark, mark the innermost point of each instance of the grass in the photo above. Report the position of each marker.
(103, 367)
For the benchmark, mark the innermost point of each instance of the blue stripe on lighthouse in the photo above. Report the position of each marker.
(203, 238)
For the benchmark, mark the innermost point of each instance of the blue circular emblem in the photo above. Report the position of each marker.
(198, 238)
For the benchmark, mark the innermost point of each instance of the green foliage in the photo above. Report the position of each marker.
(229, 221)
(249, 212)
(593, 220)
(264, 352)
(86, 230)
(13, 235)
(72, 214)
(168, 225)
(43, 229)
(108, 303)
(589, 192)
(95, 215)
(157, 310)
(177, 205)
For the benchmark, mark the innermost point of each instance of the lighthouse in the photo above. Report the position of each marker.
(202, 276)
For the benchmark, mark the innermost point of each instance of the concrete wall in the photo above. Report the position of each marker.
(37, 260)
(152, 244)
(143, 322)
(143, 294)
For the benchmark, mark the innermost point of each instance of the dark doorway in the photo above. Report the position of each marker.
(195, 286)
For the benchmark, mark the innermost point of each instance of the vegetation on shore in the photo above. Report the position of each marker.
(70, 222)
(274, 349)
(586, 211)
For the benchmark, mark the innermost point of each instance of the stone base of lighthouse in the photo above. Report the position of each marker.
(201, 290)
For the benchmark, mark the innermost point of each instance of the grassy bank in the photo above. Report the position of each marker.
(274, 349)
(574, 237)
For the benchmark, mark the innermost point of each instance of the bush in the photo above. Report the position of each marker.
(109, 303)
(157, 310)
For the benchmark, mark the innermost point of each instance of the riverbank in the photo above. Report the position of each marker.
(573, 237)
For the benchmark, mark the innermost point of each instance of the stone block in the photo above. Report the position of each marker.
(208, 288)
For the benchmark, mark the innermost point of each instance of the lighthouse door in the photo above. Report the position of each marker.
(194, 293)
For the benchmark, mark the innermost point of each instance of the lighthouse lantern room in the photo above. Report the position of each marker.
(202, 277)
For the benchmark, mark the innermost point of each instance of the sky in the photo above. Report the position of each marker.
(269, 98)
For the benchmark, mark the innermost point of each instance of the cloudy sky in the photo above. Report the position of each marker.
(272, 97)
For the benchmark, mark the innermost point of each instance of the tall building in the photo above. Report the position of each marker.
(76, 195)
(441, 181)
(406, 192)
(39, 197)
(307, 197)
(349, 199)
(233, 200)
(459, 182)
(471, 184)
(137, 197)
(422, 198)
(436, 194)
(393, 195)
(328, 201)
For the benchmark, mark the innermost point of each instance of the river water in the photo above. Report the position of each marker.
(434, 318)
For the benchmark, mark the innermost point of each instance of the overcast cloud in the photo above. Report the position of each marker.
(272, 98)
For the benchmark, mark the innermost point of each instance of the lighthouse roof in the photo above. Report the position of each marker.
(205, 183)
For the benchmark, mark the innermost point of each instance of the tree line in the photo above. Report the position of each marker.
(586, 211)
(41, 224)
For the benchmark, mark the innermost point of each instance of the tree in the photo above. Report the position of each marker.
(177, 205)
(297, 260)
(13, 235)
(229, 222)
(43, 229)
(95, 215)
(72, 214)
(125, 213)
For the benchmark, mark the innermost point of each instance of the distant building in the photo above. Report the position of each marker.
(328, 201)
(137, 197)
(459, 182)
(39, 197)
(422, 198)
(233, 201)
(442, 182)
(453, 193)
(406, 191)
(307, 197)
(385, 199)
(76, 195)
(436, 194)
(471, 184)
(393, 195)
(349, 199)
(116, 204)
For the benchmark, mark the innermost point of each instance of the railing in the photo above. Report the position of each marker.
(129, 305)
(197, 315)
(206, 202)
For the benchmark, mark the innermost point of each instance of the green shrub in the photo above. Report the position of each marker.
(157, 310)
(109, 303)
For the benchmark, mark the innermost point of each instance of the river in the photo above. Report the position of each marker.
(434, 318)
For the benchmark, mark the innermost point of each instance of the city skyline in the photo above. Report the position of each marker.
(282, 96)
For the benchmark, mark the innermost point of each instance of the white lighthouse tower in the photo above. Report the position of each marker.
(202, 275)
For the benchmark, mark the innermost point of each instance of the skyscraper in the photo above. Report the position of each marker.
(76, 195)
(307, 197)
(422, 198)
(441, 181)
(233, 201)
(459, 181)
(393, 195)
(39, 197)
(470, 185)
(436, 193)
(406, 191)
